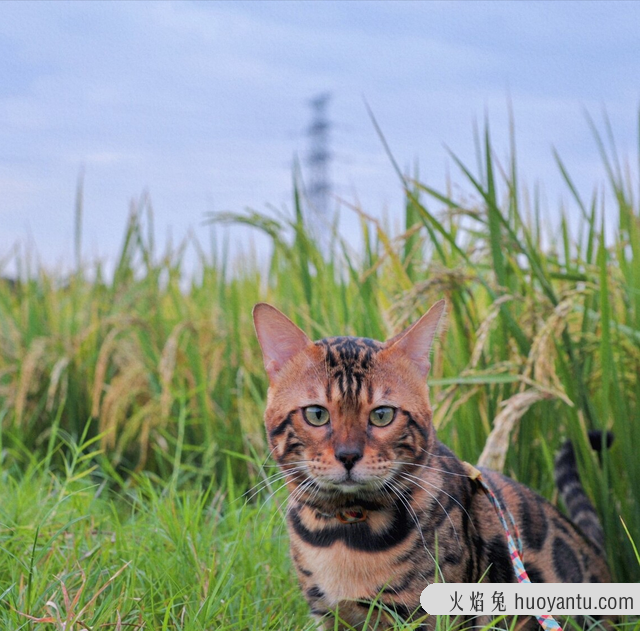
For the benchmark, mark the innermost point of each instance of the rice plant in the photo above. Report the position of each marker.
(131, 403)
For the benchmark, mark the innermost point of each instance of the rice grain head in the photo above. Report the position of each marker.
(31, 366)
(167, 366)
(484, 329)
(495, 449)
(540, 364)
(122, 393)
(102, 363)
(57, 382)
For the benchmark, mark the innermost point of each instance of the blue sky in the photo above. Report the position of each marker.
(205, 104)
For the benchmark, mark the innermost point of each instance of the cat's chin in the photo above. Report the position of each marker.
(350, 488)
(344, 486)
(329, 495)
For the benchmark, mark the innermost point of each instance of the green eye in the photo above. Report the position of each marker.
(316, 415)
(382, 416)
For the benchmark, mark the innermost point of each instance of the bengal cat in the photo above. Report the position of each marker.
(378, 507)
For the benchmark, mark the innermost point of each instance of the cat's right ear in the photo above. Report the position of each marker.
(279, 338)
(415, 341)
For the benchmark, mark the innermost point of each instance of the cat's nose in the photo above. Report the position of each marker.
(348, 458)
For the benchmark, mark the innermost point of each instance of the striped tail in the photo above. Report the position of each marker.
(580, 508)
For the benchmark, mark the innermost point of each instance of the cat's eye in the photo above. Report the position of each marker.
(316, 415)
(382, 416)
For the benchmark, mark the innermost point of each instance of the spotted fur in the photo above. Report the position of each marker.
(379, 512)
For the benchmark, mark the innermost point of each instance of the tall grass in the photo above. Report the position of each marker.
(543, 338)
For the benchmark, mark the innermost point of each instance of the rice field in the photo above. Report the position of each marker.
(131, 403)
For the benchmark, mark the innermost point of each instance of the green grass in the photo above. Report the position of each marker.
(78, 552)
(158, 376)
(150, 555)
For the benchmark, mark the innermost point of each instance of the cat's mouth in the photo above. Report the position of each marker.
(348, 483)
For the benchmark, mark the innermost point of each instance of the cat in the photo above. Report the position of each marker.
(378, 507)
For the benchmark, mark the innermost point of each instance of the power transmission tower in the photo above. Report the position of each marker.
(318, 159)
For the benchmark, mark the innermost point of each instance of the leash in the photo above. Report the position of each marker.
(548, 623)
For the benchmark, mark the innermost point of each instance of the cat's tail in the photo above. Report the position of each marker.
(580, 508)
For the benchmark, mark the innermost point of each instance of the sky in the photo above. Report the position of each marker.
(204, 106)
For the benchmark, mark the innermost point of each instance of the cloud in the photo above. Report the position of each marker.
(204, 104)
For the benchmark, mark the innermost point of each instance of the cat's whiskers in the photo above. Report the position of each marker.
(260, 486)
(297, 494)
(295, 464)
(275, 464)
(441, 490)
(261, 470)
(282, 521)
(290, 499)
(453, 527)
(279, 466)
(267, 479)
(282, 486)
(424, 466)
(392, 484)
(273, 477)
(389, 485)
(278, 506)
(316, 493)
(436, 455)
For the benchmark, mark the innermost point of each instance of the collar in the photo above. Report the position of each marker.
(353, 515)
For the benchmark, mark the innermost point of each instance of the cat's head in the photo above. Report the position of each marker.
(346, 415)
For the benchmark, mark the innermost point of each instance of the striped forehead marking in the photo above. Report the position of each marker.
(348, 362)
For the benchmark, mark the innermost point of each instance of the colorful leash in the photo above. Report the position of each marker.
(546, 622)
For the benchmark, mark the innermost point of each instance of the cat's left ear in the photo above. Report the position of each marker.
(279, 338)
(415, 341)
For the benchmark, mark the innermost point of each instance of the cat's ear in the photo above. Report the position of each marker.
(279, 338)
(415, 341)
